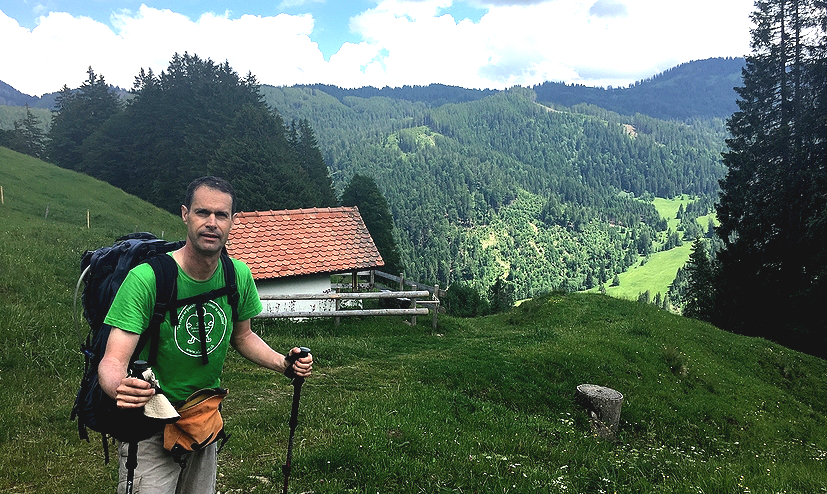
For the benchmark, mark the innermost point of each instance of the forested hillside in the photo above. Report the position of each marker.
(699, 89)
(195, 118)
(504, 186)
(518, 185)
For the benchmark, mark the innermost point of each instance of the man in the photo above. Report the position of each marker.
(208, 213)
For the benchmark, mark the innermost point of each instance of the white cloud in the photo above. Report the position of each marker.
(277, 50)
(54, 53)
(419, 46)
(608, 42)
(403, 42)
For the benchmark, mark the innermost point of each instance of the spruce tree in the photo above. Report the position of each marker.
(26, 137)
(32, 136)
(500, 296)
(771, 273)
(197, 118)
(363, 193)
(78, 115)
(310, 159)
(699, 298)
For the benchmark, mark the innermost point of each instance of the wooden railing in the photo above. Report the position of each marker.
(370, 280)
(420, 302)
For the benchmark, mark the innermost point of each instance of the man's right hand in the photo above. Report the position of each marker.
(133, 393)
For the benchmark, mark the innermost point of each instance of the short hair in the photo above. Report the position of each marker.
(216, 183)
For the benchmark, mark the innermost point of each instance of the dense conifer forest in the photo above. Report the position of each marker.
(507, 186)
(542, 191)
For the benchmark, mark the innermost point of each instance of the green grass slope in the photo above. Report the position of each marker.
(658, 272)
(480, 405)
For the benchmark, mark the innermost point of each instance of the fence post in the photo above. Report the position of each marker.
(413, 306)
(338, 305)
(401, 282)
(435, 308)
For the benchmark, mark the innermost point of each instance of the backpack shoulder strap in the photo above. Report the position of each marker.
(166, 283)
(230, 289)
(231, 283)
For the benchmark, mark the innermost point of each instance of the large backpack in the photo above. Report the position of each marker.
(102, 272)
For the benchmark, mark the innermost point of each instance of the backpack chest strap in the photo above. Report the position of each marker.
(230, 289)
(199, 301)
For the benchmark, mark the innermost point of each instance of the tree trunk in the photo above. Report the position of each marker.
(603, 405)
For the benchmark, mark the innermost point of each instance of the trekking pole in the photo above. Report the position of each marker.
(136, 370)
(294, 413)
(131, 464)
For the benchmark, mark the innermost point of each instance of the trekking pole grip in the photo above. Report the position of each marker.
(137, 368)
(292, 358)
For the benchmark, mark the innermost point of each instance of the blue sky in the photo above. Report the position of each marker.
(469, 43)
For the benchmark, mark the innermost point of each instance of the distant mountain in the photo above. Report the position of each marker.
(549, 187)
(699, 89)
(10, 96)
(507, 185)
(433, 95)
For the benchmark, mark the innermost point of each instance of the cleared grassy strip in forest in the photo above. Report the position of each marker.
(654, 276)
(656, 273)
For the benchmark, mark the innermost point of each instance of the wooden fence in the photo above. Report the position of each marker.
(420, 302)
(370, 280)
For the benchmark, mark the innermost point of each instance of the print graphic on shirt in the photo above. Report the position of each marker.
(187, 334)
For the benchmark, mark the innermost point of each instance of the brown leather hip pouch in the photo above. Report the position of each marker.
(200, 424)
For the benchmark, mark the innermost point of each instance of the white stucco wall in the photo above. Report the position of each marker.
(319, 283)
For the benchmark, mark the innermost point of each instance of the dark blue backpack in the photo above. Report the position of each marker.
(102, 272)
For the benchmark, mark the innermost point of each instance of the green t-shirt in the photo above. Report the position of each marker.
(179, 368)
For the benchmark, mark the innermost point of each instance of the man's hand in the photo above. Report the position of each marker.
(133, 393)
(299, 363)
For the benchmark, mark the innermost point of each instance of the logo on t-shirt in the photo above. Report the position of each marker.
(188, 334)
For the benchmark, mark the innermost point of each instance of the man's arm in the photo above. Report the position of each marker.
(128, 392)
(253, 348)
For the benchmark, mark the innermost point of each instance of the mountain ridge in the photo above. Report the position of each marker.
(677, 86)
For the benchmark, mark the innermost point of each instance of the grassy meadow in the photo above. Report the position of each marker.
(479, 405)
(658, 272)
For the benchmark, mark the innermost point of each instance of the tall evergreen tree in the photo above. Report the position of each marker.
(182, 116)
(260, 163)
(310, 159)
(78, 115)
(31, 135)
(774, 191)
(26, 137)
(196, 118)
(699, 298)
(500, 296)
(363, 193)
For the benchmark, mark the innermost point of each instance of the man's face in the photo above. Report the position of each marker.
(208, 219)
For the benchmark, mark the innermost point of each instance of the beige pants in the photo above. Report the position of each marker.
(158, 473)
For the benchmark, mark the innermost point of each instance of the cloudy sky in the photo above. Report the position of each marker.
(353, 43)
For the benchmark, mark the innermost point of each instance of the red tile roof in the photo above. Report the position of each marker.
(296, 242)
